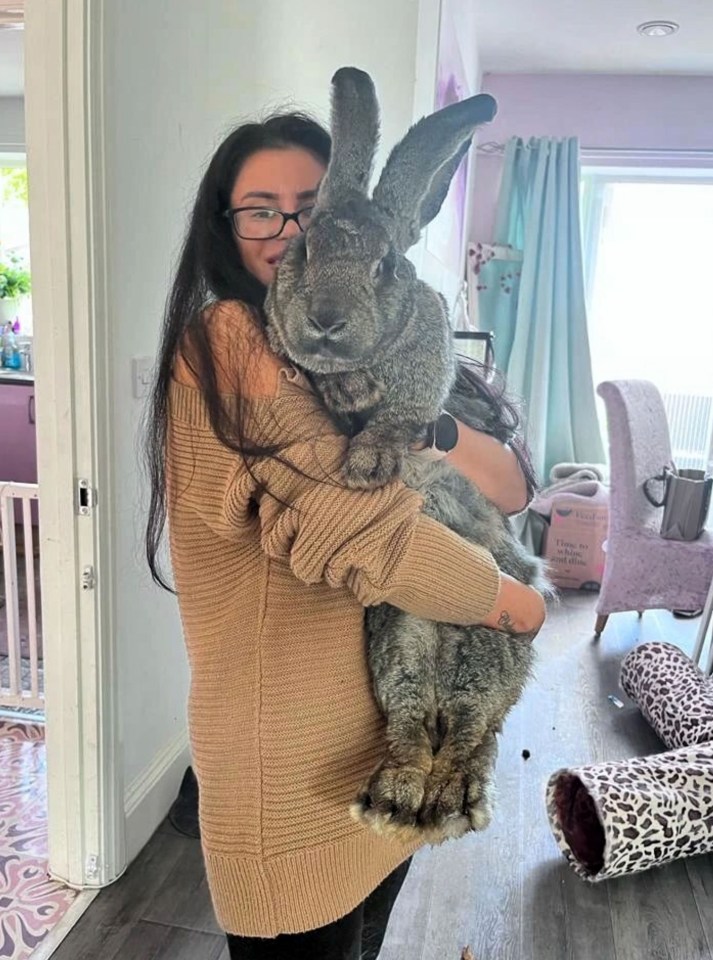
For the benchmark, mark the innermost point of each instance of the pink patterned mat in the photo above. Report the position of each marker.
(31, 904)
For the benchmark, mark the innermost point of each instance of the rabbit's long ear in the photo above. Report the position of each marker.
(355, 135)
(419, 170)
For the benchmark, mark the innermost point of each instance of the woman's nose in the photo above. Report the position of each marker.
(290, 230)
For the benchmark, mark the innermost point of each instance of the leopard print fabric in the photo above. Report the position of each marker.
(650, 811)
(672, 693)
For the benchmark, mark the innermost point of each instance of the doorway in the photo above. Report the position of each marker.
(85, 808)
(21, 662)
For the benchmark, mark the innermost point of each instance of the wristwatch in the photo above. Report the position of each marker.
(441, 435)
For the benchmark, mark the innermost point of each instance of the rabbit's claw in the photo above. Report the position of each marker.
(371, 464)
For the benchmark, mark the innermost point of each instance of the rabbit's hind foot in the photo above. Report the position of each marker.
(458, 796)
(384, 824)
(391, 799)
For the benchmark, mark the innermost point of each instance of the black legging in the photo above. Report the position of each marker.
(357, 936)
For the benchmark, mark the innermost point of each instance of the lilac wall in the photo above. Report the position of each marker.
(603, 110)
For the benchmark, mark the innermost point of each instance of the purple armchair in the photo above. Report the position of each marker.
(643, 571)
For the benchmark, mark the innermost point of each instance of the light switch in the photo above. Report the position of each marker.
(141, 376)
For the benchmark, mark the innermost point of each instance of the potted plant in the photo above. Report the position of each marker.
(14, 285)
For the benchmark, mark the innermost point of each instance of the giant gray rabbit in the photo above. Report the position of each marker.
(347, 308)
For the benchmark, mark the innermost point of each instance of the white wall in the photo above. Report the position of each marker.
(462, 12)
(12, 124)
(177, 76)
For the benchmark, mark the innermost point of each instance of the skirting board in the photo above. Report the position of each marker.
(149, 798)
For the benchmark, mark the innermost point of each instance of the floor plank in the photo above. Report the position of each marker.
(184, 899)
(152, 941)
(105, 927)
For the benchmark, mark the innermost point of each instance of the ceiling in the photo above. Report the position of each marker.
(593, 36)
(531, 36)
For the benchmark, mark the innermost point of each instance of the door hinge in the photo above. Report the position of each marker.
(91, 868)
(88, 578)
(86, 498)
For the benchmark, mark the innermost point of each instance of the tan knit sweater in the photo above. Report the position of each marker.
(283, 724)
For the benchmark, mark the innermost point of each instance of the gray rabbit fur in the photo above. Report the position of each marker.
(347, 308)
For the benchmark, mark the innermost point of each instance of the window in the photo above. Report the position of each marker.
(15, 222)
(647, 249)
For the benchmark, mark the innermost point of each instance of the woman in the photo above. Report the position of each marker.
(274, 561)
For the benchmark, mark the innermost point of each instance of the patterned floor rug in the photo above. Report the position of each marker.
(31, 904)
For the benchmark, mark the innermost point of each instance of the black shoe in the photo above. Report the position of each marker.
(183, 815)
(687, 614)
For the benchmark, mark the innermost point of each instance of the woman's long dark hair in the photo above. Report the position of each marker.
(210, 269)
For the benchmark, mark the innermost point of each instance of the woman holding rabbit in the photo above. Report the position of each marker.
(274, 561)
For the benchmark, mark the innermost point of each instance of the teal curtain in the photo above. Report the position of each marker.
(536, 308)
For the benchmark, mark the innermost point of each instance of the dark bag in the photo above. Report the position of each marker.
(686, 498)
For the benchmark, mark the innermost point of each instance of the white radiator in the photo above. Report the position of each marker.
(19, 687)
(690, 423)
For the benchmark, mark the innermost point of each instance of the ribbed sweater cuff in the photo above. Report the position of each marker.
(444, 577)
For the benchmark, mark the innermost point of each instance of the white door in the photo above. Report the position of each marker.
(63, 109)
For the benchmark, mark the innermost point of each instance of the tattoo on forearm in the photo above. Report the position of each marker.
(505, 621)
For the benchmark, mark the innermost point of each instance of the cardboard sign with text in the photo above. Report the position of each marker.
(574, 542)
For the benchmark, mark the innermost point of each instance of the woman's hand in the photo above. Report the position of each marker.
(519, 609)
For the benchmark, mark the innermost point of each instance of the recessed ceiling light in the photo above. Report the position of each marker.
(658, 28)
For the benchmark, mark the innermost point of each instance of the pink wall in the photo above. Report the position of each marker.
(603, 110)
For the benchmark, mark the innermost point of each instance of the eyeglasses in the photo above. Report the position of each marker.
(264, 223)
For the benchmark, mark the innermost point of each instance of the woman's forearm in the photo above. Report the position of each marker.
(518, 608)
(492, 466)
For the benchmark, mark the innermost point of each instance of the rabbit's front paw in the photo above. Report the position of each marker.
(370, 463)
(350, 392)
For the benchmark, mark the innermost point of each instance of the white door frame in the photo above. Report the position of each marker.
(65, 155)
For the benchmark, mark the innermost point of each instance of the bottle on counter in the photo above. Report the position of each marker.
(10, 354)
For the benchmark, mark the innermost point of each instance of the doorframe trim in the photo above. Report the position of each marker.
(64, 55)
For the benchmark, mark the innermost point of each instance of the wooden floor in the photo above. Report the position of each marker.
(508, 893)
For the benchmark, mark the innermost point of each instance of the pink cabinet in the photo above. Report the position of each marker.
(18, 448)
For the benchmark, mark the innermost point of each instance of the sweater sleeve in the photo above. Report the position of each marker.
(377, 543)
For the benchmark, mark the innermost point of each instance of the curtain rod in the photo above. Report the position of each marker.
(495, 148)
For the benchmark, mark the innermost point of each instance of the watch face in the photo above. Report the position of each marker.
(446, 432)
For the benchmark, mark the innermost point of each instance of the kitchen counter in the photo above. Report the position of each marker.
(16, 376)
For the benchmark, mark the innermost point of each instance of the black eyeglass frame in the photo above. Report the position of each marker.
(286, 217)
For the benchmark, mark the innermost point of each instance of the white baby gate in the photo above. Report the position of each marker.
(17, 690)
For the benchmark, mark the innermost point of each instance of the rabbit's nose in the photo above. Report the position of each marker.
(327, 322)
